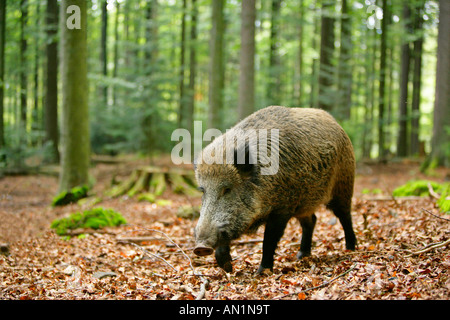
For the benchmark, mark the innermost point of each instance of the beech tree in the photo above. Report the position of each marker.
(75, 155)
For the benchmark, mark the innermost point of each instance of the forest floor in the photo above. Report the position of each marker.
(161, 265)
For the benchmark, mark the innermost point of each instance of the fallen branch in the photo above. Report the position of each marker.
(426, 249)
(203, 287)
(391, 198)
(429, 212)
(432, 192)
(326, 283)
(205, 281)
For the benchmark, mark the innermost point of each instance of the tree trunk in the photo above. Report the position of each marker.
(116, 51)
(182, 103)
(23, 68)
(104, 50)
(417, 78)
(51, 87)
(75, 114)
(274, 83)
(192, 69)
(441, 119)
(246, 103)
(2, 70)
(216, 66)
(326, 69)
(299, 88)
(382, 150)
(402, 142)
(345, 67)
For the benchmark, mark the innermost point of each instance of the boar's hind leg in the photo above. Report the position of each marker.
(307, 223)
(223, 258)
(342, 209)
(275, 225)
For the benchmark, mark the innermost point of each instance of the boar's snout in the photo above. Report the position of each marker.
(202, 250)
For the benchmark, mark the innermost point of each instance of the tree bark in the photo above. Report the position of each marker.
(182, 103)
(246, 104)
(23, 69)
(51, 87)
(441, 118)
(345, 67)
(417, 79)
(104, 50)
(274, 83)
(75, 114)
(2, 70)
(216, 66)
(192, 68)
(402, 142)
(326, 69)
(382, 150)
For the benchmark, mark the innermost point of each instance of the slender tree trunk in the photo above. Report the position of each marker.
(2, 70)
(36, 124)
(326, 69)
(23, 69)
(417, 78)
(182, 102)
(314, 79)
(51, 87)
(116, 51)
(345, 67)
(246, 103)
(75, 155)
(299, 88)
(216, 66)
(192, 68)
(104, 50)
(382, 150)
(274, 83)
(402, 142)
(441, 120)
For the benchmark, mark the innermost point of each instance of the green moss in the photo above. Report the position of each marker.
(147, 196)
(95, 218)
(71, 196)
(444, 201)
(418, 188)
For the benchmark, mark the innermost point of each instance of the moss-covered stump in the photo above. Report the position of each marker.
(94, 219)
(71, 196)
(155, 180)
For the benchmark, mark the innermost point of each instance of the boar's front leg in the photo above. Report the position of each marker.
(223, 258)
(275, 225)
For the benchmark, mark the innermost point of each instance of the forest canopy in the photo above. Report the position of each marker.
(157, 65)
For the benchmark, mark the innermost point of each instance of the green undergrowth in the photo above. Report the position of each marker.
(94, 218)
(421, 188)
(71, 196)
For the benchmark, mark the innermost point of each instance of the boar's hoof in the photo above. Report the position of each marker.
(227, 266)
(203, 251)
(302, 254)
(264, 271)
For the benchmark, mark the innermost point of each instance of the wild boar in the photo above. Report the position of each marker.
(315, 165)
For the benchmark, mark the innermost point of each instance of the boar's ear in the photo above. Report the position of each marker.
(243, 161)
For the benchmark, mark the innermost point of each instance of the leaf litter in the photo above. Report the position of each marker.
(401, 252)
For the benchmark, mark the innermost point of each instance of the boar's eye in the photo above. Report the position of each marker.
(226, 190)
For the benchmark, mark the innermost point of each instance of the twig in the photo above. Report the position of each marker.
(326, 283)
(149, 253)
(432, 192)
(205, 283)
(438, 245)
(434, 215)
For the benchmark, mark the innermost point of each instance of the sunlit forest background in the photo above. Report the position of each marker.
(156, 65)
